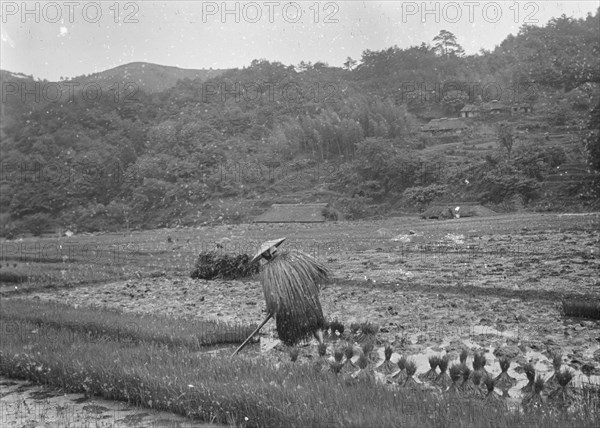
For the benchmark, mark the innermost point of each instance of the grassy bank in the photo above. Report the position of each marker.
(244, 391)
(99, 324)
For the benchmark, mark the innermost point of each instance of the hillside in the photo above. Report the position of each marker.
(268, 133)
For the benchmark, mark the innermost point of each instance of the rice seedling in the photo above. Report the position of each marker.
(411, 368)
(479, 389)
(504, 380)
(400, 377)
(402, 363)
(228, 391)
(530, 373)
(463, 356)
(467, 387)
(101, 324)
(349, 352)
(362, 362)
(562, 394)
(490, 384)
(387, 367)
(535, 399)
(367, 332)
(443, 380)
(337, 328)
(455, 377)
(367, 348)
(294, 353)
(551, 382)
(338, 355)
(354, 327)
(431, 374)
(479, 361)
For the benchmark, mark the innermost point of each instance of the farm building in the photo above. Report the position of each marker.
(445, 126)
(293, 213)
(470, 110)
(495, 107)
(521, 108)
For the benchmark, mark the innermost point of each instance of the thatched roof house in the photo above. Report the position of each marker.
(521, 108)
(495, 107)
(445, 125)
(293, 213)
(470, 110)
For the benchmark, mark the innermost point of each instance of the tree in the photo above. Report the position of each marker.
(505, 136)
(349, 64)
(304, 66)
(445, 44)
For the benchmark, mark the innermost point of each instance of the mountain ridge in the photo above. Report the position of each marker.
(146, 76)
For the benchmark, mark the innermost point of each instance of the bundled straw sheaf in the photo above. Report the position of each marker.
(211, 265)
(291, 284)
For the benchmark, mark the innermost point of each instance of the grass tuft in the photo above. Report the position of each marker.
(388, 352)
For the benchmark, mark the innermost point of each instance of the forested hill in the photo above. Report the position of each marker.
(144, 145)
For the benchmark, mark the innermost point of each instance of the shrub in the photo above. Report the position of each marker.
(420, 197)
(331, 214)
(36, 224)
(355, 208)
(12, 277)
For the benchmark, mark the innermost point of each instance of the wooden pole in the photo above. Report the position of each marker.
(252, 335)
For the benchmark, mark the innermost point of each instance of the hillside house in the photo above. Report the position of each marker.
(521, 109)
(495, 108)
(470, 110)
(445, 126)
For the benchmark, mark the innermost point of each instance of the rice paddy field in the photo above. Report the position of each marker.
(117, 316)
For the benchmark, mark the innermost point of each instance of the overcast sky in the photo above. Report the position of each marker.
(53, 39)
